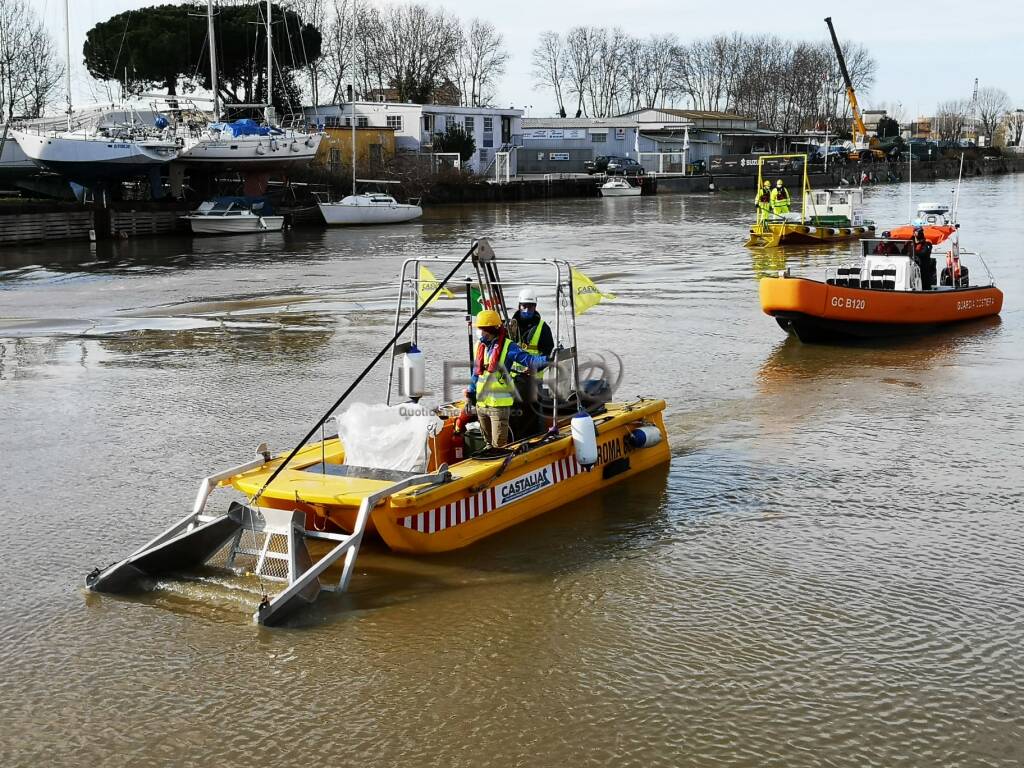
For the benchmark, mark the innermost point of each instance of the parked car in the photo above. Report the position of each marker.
(599, 164)
(624, 166)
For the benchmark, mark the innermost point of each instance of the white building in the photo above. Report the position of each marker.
(494, 130)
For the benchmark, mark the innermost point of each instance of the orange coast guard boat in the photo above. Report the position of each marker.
(881, 296)
(407, 474)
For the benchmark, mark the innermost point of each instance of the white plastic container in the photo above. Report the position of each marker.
(645, 436)
(413, 379)
(584, 439)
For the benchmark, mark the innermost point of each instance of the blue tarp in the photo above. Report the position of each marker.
(244, 127)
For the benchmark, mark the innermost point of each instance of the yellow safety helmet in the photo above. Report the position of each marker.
(488, 318)
(778, 183)
(767, 184)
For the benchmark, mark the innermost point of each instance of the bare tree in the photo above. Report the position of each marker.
(334, 65)
(648, 69)
(951, 118)
(707, 71)
(30, 71)
(549, 67)
(317, 13)
(481, 61)
(606, 83)
(579, 59)
(992, 104)
(409, 48)
(42, 69)
(659, 55)
(781, 83)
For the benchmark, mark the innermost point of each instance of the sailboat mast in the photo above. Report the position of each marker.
(353, 96)
(270, 68)
(213, 59)
(67, 53)
(910, 182)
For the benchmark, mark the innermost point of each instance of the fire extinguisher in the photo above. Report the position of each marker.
(458, 440)
(458, 446)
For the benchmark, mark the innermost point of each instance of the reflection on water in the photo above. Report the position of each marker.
(823, 575)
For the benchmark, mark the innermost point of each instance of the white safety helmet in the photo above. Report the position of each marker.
(527, 296)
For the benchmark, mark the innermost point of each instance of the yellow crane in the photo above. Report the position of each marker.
(861, 144)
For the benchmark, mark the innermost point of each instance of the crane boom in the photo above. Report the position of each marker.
(858, 121)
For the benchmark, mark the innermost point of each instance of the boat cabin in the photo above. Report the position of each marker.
(887, 265)
(839, 207)
(932, 214)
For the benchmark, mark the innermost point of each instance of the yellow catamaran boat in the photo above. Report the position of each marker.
(826, 215)
(440, 501)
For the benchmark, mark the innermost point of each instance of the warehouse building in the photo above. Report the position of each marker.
(663, 140)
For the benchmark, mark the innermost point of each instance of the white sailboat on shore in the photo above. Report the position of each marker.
(245, 145)
(91, 155)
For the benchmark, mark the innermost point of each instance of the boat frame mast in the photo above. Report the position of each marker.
(491, 287)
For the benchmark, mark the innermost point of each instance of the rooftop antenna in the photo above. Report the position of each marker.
(974, 110)
(956, 196)
(910, 181)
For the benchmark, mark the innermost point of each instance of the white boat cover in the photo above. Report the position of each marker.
(387, 437)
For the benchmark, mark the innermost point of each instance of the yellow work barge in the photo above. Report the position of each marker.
(825, 216)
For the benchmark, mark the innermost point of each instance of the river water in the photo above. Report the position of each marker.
(828, 573)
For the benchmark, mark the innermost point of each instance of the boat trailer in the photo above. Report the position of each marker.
(273, 541)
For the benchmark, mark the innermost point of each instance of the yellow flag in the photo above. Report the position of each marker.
(427, 284)
(587, 295)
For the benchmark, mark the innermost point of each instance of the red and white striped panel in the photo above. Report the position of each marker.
(472, 507)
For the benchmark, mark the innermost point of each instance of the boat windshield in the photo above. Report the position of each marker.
(880, 247)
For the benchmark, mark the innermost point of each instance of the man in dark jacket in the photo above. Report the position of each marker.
(923, 257)
(529, 331)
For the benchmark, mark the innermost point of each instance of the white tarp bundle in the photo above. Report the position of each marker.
(387, 437)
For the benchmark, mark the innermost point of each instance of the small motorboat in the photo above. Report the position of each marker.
(231, 217)
(881, 296)
(404, 471)
(370, 208)
(933, 218)
(619, 188)
(825, 216)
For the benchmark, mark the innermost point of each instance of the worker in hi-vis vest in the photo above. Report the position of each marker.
(528, 329)
(764, 202)
(780, 199)
(491, 389)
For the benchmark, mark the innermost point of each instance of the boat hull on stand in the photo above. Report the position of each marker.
(253, 153)
(89, 159)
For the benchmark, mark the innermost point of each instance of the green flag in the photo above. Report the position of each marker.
(476, 301)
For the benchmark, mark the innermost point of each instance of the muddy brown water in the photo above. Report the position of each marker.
(828, 573)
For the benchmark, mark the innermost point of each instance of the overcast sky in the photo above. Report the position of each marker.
(926, 52)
